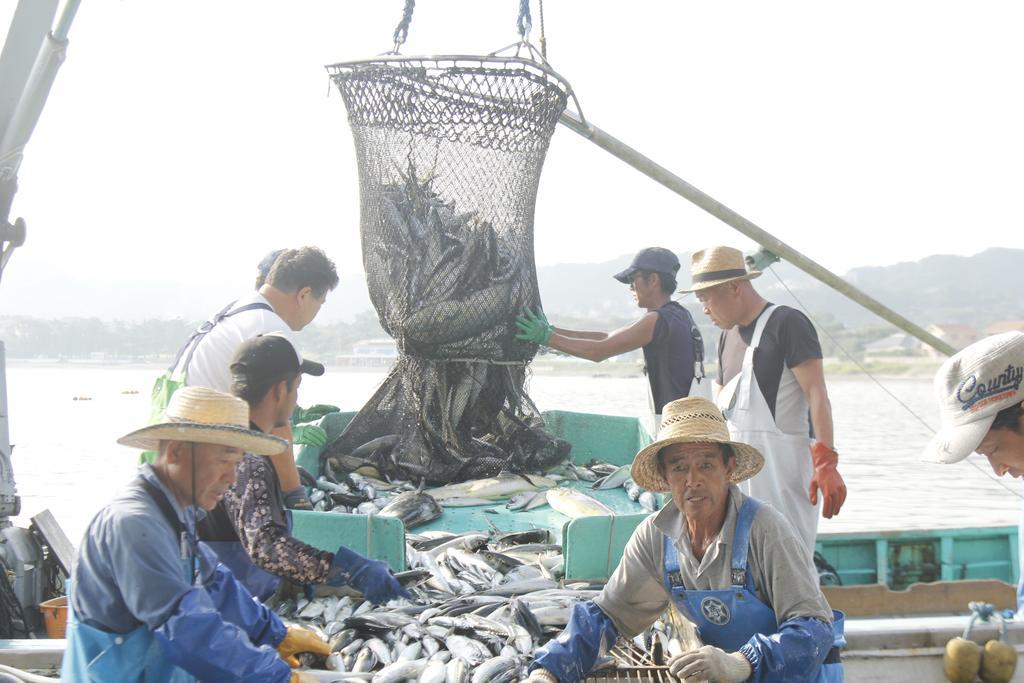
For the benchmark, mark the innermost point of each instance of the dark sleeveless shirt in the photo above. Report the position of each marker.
(673, 355)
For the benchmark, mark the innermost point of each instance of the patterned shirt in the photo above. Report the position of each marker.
(253, 512)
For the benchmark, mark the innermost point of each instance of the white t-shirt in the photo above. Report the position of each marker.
(212, 356)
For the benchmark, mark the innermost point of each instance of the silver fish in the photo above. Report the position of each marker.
(473, 651)
(456, 671)
(498, 669)
(575, 504)
(380, 649)
(433, 672)
(648, 501)
(614, 480)
(412, 508)
(400, 671)
(366, 659)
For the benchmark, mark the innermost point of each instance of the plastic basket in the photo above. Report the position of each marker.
(55, 616)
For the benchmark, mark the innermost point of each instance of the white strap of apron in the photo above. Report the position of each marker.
(762, 322)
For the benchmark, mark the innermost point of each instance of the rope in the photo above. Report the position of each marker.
(402, 30)
(931, 430)
(523, 23)
(488, 361)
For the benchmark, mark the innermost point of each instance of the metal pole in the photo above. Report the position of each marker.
(673, 182)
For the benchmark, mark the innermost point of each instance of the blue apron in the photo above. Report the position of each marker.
(96, 656)
(233, 555)
(728, 618)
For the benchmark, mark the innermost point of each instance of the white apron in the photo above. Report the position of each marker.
(786, 477)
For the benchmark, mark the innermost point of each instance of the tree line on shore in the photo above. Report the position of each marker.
(157, 340)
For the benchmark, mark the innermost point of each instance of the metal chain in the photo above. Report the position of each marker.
(402, 30)
(543, 38)
(524, 23)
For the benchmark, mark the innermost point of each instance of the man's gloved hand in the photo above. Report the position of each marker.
(303, 677)
(534, 327)
(826, 477)
(296, 499)
(708, 663)
(372, 578)
(297, 640)
(313, 413)
(309, 435)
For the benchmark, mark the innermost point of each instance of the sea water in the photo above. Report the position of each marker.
(65, 419)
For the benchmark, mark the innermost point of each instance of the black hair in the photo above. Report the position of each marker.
(305, 267)
(668, 282)
(1009, 418)
(254, 392)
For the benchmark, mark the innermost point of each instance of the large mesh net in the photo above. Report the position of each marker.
(450, 152)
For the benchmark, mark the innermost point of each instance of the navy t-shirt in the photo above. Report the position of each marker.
(789, 338)
(672, 354)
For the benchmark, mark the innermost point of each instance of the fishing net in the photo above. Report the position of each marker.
(450, 152)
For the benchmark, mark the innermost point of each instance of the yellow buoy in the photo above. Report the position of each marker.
(961, 660)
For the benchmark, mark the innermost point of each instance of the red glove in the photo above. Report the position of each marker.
(826, 478)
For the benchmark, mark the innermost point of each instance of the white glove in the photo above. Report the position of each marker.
(708, 663)
(540, 676)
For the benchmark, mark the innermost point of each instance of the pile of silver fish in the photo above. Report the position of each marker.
(483, 602)
(363, 494)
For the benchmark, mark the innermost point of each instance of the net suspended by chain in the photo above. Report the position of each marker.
(450, 151)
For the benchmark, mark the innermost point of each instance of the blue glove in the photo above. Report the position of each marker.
(309, 435)
(372, 578)
(296, 499)
(588, 636)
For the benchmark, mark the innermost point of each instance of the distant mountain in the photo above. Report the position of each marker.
(972, 290)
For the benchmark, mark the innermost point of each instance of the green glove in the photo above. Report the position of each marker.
(534, 327)
(309, 435)
(313, 413)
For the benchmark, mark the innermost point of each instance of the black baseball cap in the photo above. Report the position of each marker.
(270, 358)
(652, 260)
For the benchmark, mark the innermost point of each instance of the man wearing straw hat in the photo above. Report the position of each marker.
(148, 601)
(980, 392)
(771, 389)
(734, 567)
(250, 529)
(672, 344)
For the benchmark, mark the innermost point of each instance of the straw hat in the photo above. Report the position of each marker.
(202, 415)
(692, 420)
(717, 265)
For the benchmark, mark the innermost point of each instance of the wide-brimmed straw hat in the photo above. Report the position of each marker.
(716, 266)
(692, 420)
(201, 415)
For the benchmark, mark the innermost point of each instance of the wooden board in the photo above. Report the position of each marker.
(940, 597)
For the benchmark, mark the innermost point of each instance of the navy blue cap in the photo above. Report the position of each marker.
(652, 260)
(267, 263)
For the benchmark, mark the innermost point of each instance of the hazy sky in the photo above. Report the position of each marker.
(185, 139)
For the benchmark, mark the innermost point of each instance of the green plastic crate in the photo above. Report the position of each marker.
(613, 438)
(382, 538)
(593, 545)
(308, 457)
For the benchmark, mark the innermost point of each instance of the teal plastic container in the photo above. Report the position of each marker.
(592, 546)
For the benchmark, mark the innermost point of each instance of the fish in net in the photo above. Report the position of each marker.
(450, 152)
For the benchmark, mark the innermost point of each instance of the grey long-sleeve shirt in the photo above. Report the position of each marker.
(784, 577)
